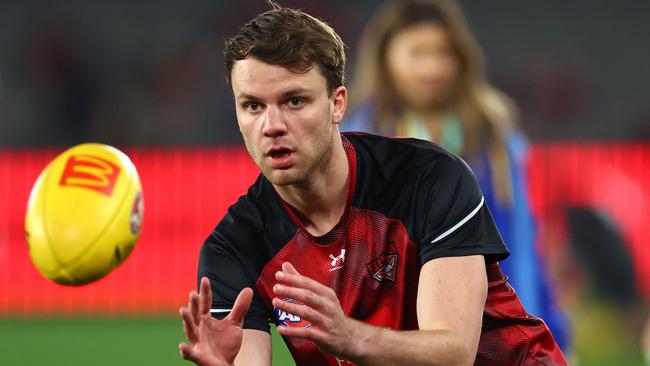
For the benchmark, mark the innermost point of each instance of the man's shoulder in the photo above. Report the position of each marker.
(398, 176)
(403, 156)
(250, 210)
(393, 145)
(256, 219)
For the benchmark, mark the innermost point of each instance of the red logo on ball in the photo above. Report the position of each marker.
(91, 172)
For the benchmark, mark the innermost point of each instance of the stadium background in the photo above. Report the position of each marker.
(147, 77)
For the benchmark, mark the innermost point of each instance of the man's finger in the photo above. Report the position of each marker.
(193, 306)
(189, 326)
(303, 311)
(310, 333)
(300, 281)
(205, 296)
(241, 306)
(187, 352)
(304, 296)
(289, 268)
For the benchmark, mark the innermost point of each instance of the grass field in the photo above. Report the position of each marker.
(154, 341)
(100, 341)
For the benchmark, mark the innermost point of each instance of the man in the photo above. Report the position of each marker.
(363, 249)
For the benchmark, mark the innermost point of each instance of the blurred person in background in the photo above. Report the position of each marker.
(420, 73)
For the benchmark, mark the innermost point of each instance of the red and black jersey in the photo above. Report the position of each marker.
(409, 202)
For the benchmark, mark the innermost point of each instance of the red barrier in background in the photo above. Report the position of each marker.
(188, 190)
(611, 177)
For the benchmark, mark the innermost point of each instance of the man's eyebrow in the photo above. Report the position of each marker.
(287, 93)
(246, 96)
(294, 91)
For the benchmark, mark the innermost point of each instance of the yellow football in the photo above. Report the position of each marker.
(84, 214)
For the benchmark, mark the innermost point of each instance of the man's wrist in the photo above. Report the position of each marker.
(360, 337)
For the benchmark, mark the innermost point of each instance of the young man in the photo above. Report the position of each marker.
(363, 249)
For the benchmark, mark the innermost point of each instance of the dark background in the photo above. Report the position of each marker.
(151, 72)
(147, 76)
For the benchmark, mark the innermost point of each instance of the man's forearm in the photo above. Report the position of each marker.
(382, 346)
(255, 349)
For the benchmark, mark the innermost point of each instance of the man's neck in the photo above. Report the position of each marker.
(319, 202)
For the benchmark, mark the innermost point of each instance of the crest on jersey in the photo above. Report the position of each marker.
(288, 319)
(384, 267)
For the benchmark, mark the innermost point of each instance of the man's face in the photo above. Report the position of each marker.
(287, 119)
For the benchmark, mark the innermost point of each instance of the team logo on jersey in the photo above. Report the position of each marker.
(288, 319)
(338, 261)
(384, 267)
(91, 172)
(343, 362)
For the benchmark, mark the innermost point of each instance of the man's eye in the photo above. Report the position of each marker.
(296, 102)
(252, 106)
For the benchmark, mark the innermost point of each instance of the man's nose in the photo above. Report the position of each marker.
(274, 124)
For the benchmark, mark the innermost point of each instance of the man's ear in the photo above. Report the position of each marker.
(340, 103)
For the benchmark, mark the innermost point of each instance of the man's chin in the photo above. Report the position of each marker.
(282, 178)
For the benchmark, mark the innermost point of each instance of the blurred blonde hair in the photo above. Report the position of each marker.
(486, 114)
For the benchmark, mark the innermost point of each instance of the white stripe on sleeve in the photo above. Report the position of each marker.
(219, 311)
(460, 223)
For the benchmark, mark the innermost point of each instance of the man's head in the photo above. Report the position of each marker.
(291, 39)
(286, 71)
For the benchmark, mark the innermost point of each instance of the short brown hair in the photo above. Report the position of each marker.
(292, 39)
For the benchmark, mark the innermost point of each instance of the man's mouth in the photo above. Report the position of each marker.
(281, 157)
(279, 152)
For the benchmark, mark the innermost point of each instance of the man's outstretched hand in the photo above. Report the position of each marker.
(212, 342)
(331, 330)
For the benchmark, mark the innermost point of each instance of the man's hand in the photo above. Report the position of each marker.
(212, 342)
(331, 330)
(449, 319)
